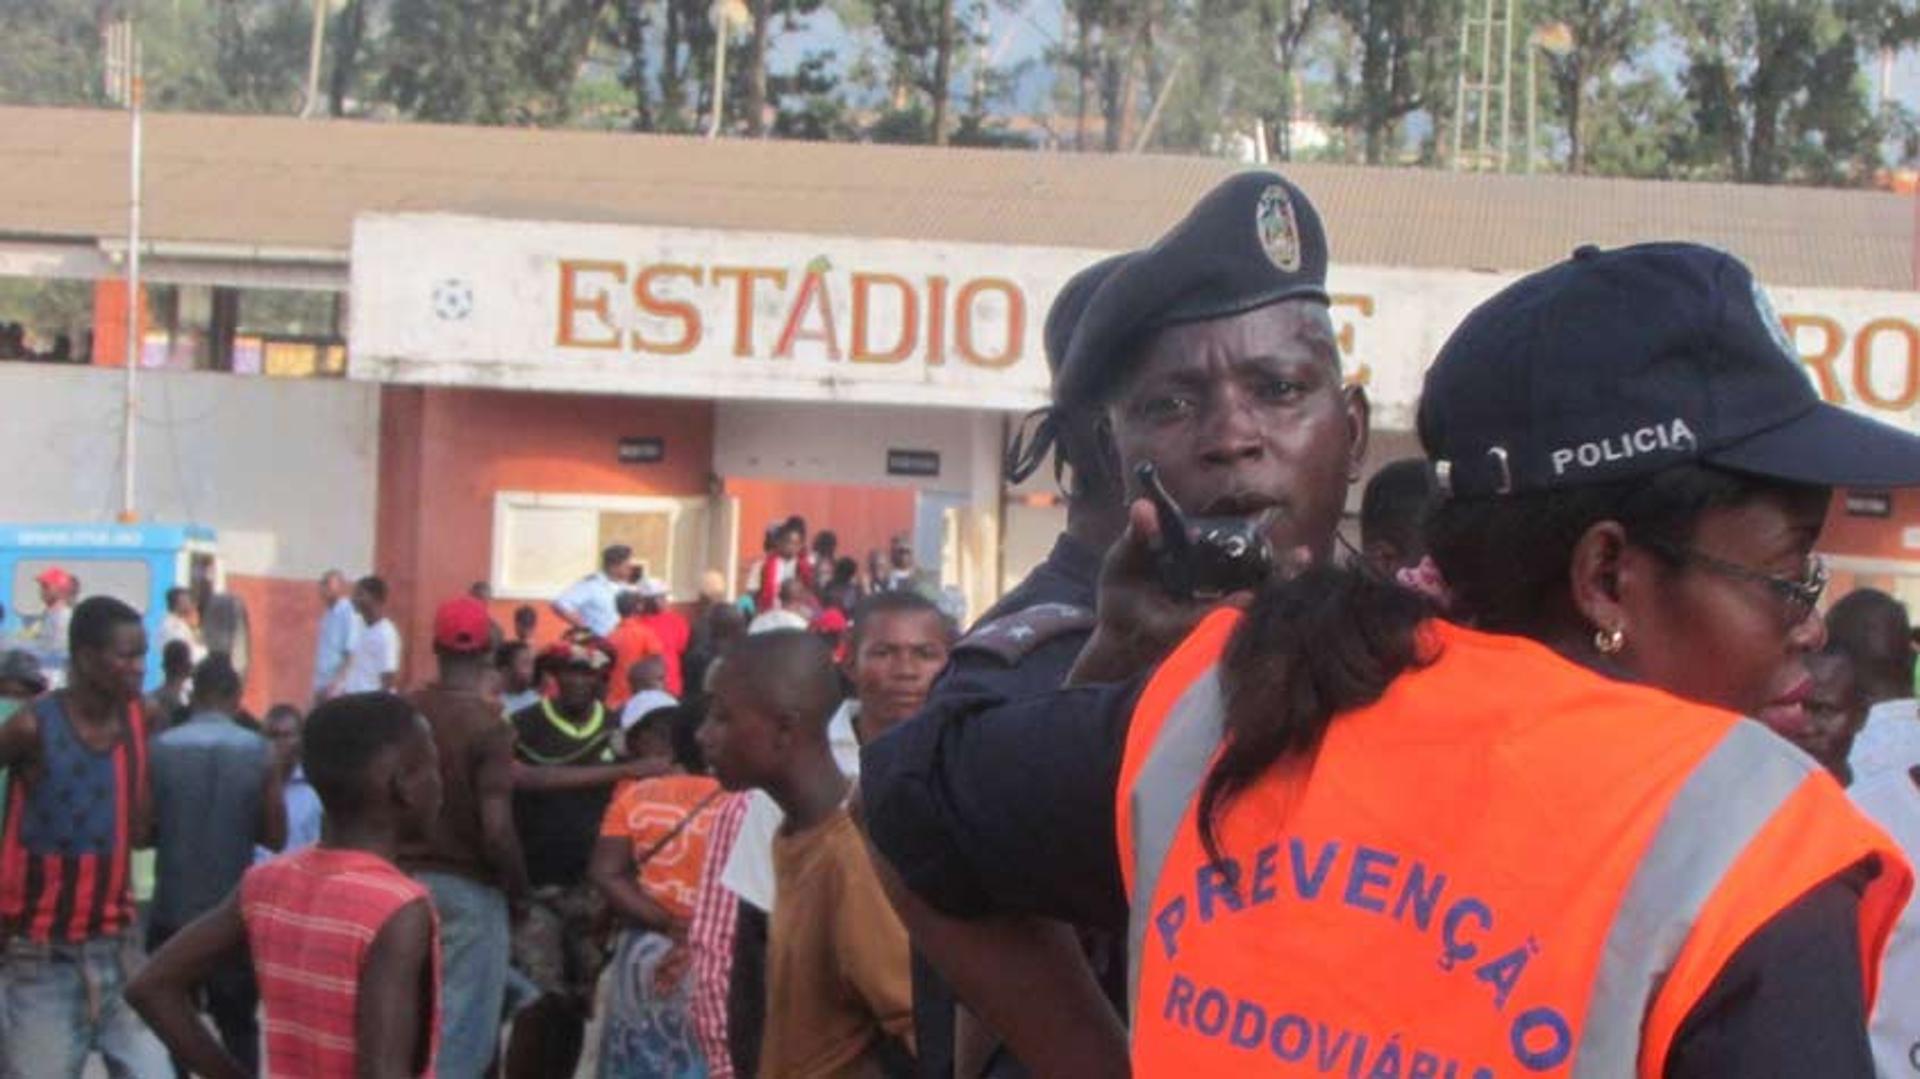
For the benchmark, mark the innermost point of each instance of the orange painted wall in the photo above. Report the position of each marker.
(284, 616)
(865, 518)
(1871, 537)
(444, 453)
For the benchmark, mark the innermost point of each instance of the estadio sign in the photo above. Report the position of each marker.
(666, 312)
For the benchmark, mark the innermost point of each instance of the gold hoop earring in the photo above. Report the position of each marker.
(1609, 642)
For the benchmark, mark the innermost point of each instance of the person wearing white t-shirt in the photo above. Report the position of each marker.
(588, 603)
(1871, 628)
(373, 660)
(1892, 799)
(647, 682)
(182, 623)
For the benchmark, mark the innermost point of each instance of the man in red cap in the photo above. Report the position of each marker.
(470, 860)
(58, 590)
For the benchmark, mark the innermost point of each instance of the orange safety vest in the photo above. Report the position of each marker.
(1508, 865)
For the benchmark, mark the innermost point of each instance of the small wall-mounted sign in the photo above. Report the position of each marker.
(643, 451)
(913, 463)
(1869, 504)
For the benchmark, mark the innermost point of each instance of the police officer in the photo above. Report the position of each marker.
(1211, 355)
(1349, 831)
(1025, 644)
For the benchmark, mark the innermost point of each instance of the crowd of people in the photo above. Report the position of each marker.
(15, 344)
(507, 855)
(1562, 768)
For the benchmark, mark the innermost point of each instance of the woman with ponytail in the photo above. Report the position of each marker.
(1511, 822)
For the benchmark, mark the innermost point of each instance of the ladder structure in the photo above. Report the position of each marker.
(1483, 90)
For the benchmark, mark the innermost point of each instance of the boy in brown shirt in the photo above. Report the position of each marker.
(839, 986)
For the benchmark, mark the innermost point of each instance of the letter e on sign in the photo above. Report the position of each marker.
(576, 300)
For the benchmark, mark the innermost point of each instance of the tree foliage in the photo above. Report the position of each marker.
(1776, 88)
(1748, 90)
(1399, 63)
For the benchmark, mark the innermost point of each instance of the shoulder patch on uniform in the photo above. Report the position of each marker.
(1011, 637)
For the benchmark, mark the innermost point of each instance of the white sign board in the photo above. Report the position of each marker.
(671, 312)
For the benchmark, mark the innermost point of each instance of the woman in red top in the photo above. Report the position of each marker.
(346, 947)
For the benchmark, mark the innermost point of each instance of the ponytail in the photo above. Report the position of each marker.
(1326, 642)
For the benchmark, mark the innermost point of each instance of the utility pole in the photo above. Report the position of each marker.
(318, 46)
(124, 86)
(943, 73)
(724, 14)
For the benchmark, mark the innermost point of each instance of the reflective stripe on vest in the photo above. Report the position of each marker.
(1168, 782)
(1739, 787)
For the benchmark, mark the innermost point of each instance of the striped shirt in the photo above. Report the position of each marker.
(312, 917)
(66, 848)
(710, 935)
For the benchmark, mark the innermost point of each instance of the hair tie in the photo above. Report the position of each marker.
(1426, 579)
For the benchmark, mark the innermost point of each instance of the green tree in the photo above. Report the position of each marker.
(1776, 91)
(1226, 83)
(1286, 23)
(1604, 33)
(1400, 63)
(1636, 128)
(51, 54)
(501, 62)
(919, 40)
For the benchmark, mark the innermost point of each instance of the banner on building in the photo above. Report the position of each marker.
(671, 312)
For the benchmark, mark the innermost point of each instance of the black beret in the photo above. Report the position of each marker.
(1029, 447)
(1063, 318)
(1252, 241)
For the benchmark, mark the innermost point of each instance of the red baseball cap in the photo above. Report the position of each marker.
(461, 625)
(55, 577)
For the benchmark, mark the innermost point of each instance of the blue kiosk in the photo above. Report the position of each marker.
(136, 563)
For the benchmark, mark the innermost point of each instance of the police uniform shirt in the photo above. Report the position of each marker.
(1028, 641)
(1023, 646)
(994, 803)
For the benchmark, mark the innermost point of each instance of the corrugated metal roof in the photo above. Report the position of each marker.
(282, 182)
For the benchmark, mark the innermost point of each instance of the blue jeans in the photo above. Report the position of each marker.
(473, 957)
(59, 1003)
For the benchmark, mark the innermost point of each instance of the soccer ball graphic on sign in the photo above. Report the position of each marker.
(452, 300)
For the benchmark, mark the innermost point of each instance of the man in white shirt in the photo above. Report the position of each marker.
(588, 602)
(182, 623)
(1871, 628)
(373, 663)
(1892, 799)
(335, 642)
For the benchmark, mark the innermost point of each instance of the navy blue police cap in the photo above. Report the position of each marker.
(1620, 364)
(1039, 430)
(1253, 240)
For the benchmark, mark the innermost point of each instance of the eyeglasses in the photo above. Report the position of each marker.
(1800, 595)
